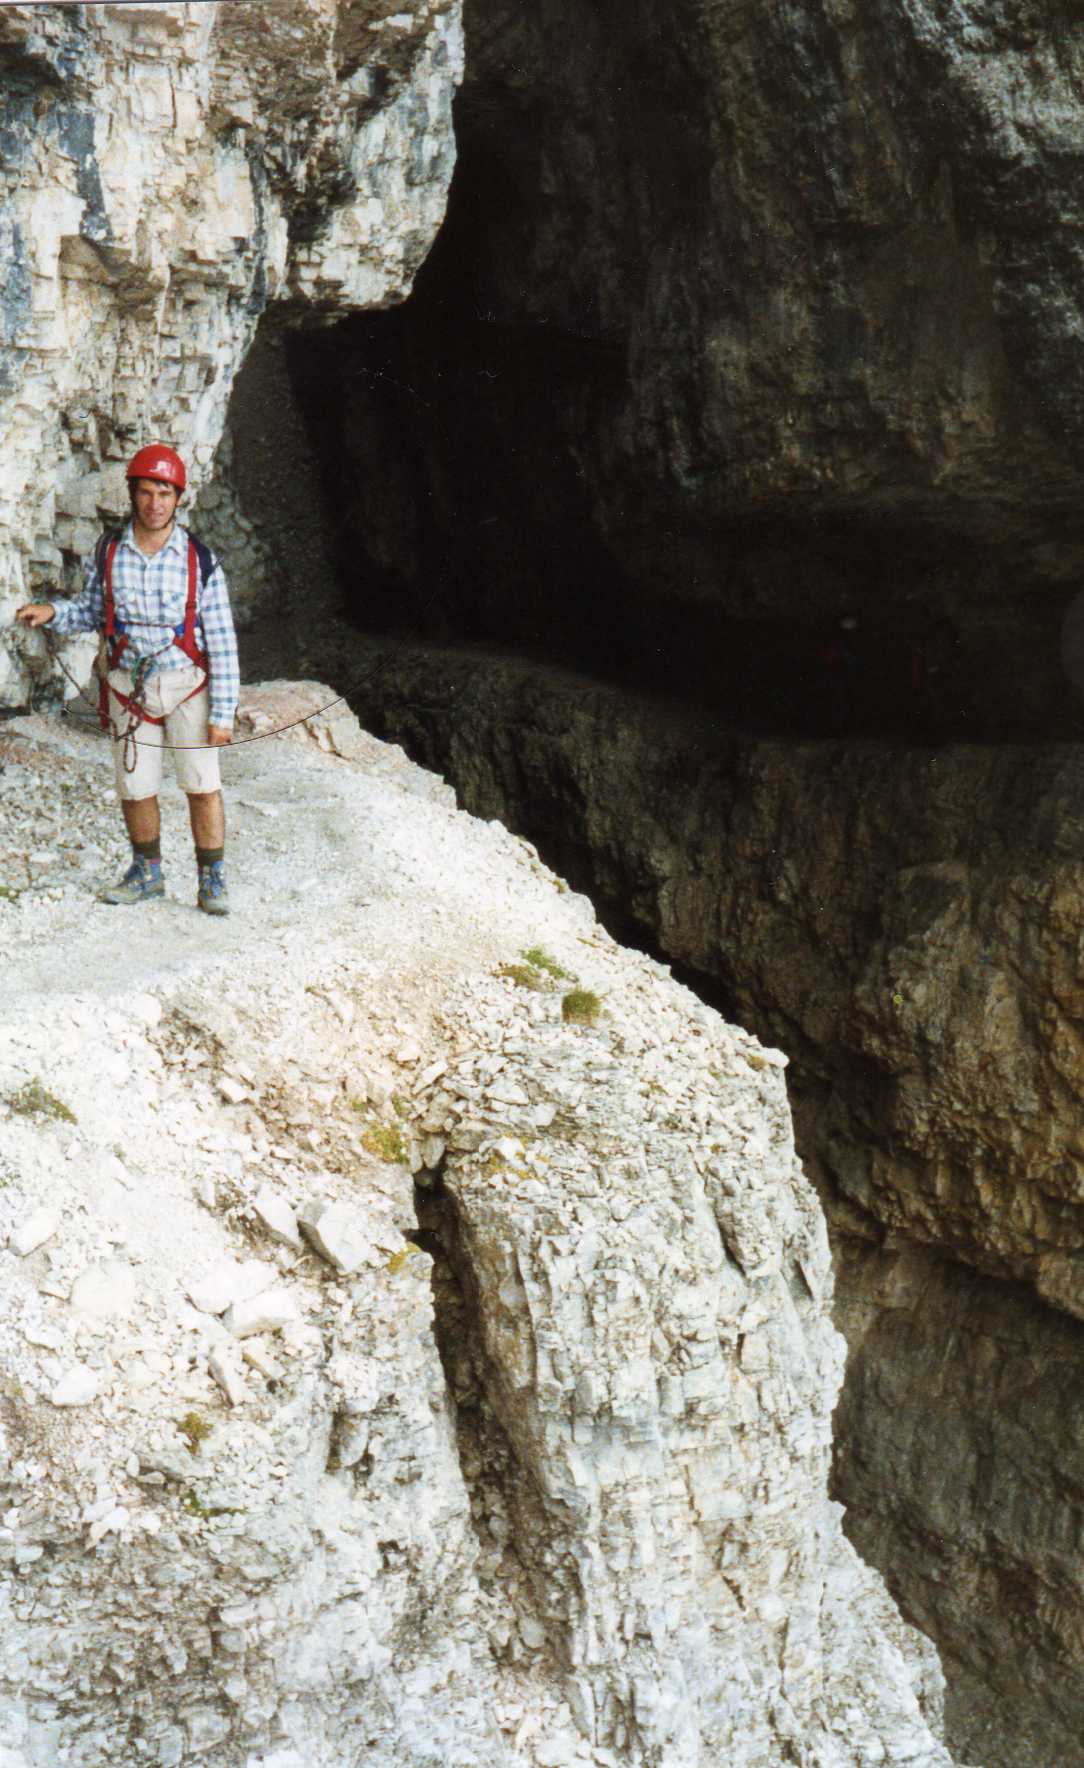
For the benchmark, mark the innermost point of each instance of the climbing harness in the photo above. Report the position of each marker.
(237, 742)
(116, 642)
(132, 742)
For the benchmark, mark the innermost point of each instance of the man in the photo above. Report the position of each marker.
(161, 602)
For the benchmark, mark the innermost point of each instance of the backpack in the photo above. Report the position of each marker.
(115, 637)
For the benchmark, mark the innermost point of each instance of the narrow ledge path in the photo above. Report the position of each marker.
(250, 1515)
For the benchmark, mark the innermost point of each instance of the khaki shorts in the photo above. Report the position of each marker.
(185, 730)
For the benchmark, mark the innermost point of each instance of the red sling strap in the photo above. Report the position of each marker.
(185, 640)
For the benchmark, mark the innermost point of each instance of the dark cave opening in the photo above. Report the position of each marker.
(830, 627)
(464, 503)
(526, 581)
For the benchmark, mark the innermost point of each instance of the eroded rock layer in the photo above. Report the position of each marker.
(747, 369)
(524, 1462)
(906, 924)
(744, 321)
(169, 171)
(960, 1429)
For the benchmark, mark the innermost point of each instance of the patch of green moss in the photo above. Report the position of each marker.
(580, 1007)
(399, 1260)
(522, 975)
(33, 1100)
(195, 1506)
(540, 959)
(8, 893)
(385, 1140)
(195, 1429)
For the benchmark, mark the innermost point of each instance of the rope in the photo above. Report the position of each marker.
(238, 743)
(136, 709)
(128, 738)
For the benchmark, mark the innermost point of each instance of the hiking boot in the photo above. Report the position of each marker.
(140, 883)
(212, 896)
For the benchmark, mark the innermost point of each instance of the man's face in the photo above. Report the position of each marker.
(155, 503)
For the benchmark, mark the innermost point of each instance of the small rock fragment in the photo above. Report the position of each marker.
(114, 1168)
(110, 1524)
(258, 1357)
(78, 1388)
(507, 1092)
(334, 1231)
(104, 1290)
(466, 1138)
(268, 1312)
(229, 1282)
(433, 1149)
(225, 1367)
(34, 1230)
(277, 1219)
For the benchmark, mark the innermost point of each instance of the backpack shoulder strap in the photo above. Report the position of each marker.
(103, 558)
(204, 556)
(201, 562)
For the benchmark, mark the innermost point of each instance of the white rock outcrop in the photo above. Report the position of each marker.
(525, 1461)
(168, 173)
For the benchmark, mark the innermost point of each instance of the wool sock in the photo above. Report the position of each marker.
(206, 856)
(149, 850)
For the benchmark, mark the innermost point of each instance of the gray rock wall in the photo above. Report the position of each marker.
(744, 321)
(905, 923)
(168, 172)
(520, 1465)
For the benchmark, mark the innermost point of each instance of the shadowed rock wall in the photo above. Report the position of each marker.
(744, 320)
(905, 923)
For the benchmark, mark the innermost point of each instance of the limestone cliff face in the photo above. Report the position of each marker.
(837, 244)
(745, 320)
(920, 961)
(905, 922)
(394, 1367)
(415, 1346)
(170, 172)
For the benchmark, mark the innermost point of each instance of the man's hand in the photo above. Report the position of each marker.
(218, 735)
(35, 613)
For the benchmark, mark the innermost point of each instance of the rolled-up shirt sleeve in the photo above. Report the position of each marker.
(83, 612)
(220, 642)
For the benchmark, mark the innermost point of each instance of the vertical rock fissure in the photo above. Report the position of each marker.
(504, 1505)
(886, 969)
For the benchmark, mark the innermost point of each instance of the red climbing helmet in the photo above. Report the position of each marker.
(158, 462)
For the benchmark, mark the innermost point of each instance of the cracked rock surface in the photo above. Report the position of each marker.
(394, 1369)
(168, 174)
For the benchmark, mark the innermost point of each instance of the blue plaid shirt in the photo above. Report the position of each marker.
(151, 594)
